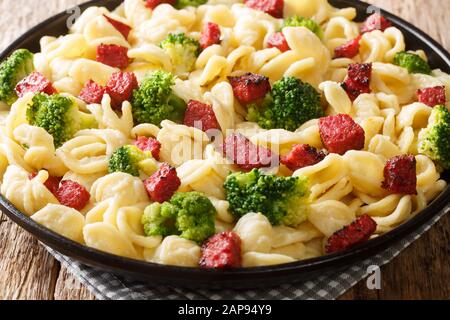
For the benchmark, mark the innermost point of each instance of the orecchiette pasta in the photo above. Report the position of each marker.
(40, 152)
(177, 251)
(391, 79)
(256, 233)
(130, 190)
(108, 119)
(222, 208)
(104, 237)
(86, 180)
(89, 151)
(135, 12)
(205, 175)
(337, 98)
(165, 19)
(68, 47)
(314, 249)
(339, 31)
(63, 220)
(380, 46)
(88, 15)
(181, 143)
(401, 213)
(325, 174)
(84, 70)
(258, 259)
(280, 139)
(286, 236)
(11, 153)
(330, 216)
(366, 172)
(297, 251)
(100, 31)
(27, 195)
(127, 220)
(222, 100)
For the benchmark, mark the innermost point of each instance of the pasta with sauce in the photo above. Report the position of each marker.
(307, 54)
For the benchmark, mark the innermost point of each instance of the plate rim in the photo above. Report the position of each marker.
(167, 273)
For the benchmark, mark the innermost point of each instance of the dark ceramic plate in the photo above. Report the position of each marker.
(239, 278)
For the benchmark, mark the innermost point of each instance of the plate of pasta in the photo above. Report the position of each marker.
(223, 143)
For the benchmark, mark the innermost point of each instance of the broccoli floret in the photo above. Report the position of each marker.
(296, 21)
(412, 62)
(15, 68)
(439, 115)
(155, 101)
(130, 159)
(290, 104)
(158, 222)
(283, 200)
(180, 4)
(183, 51)
(190, 215)
(434, 140)
(59, 116)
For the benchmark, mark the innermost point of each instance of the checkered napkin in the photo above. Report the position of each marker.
(107, 286)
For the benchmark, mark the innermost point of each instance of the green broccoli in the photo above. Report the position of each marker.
(283, 200)
(183, 51)
(190, 215)
(154, 101)
(59, 116)
(130, 159)
(290, 104)
(181, 4)
(158, 222)
(296, 21)
(412, 62)
(434, 140)
(12, 70)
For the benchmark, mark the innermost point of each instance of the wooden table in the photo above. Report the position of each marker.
(27, 271)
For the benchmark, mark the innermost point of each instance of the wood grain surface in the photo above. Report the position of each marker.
(27, 271)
